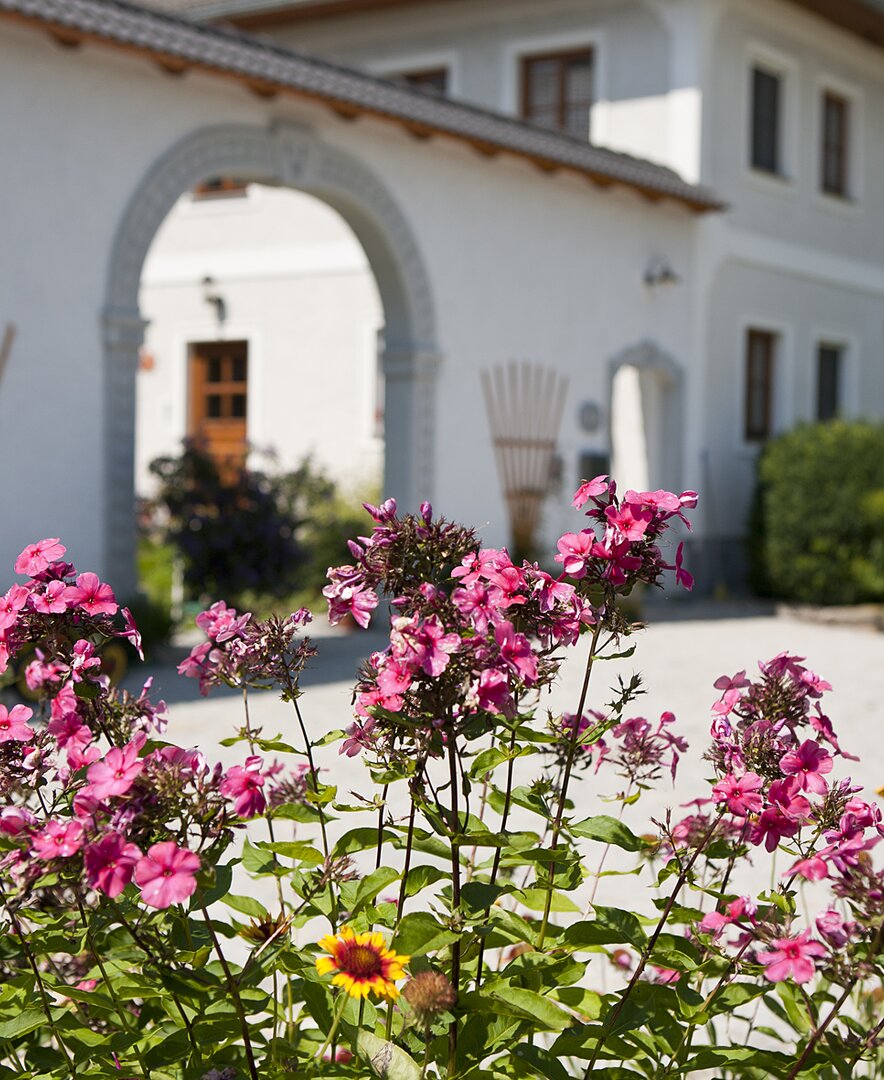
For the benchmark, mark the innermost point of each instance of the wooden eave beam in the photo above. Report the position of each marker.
(67, 38)
(174, 64)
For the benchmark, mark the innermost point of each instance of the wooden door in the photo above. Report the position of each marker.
(219, 401)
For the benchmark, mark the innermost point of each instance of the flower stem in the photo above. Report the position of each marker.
(314, 782)
(234, 992)
(611, 1019)
(336, 1019)
(566, 777)
(455, 896)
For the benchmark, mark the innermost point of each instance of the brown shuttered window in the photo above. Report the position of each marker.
(760, 357)
(557, 91)
(834, 176)
(765, 112)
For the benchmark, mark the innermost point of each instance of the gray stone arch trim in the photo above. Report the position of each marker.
(287, 155)
(648, 357)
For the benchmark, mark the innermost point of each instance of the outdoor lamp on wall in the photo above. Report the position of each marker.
(660, 272)
(215, 300)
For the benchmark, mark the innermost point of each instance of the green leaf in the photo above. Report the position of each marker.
(541, 1061)
(299, 850)
(608, 830)
(585, 1002)
(672, 951)
(361, 840)
(419, 877)
(420, 933)
(515, 1001)
(611, 926)
(371, 885)
(255, 860)
(26, 1021)
(296, 812)
(535, 900)
(386, 1059)
(246, 905)
(478, 895)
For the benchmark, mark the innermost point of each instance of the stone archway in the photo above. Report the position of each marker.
(646, 409)
(289, 155)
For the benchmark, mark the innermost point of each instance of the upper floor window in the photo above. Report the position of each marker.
(766, 106)
(221, 187)
(431, 80)
(557, 91)
(829, 364)
(760, 358)
(834, 178)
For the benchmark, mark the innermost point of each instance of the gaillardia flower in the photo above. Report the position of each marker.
(362, 962)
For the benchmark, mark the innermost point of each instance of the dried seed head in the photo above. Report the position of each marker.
(429, 994)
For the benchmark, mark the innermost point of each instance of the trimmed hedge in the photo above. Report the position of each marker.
(817, 530)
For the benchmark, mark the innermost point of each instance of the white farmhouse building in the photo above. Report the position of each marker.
(679, 204)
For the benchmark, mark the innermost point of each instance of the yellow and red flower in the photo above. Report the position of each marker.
(362, 963)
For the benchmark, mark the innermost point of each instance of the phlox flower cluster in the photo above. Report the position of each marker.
(773, 751)
(242, 651)
(85, 795)
(471, 632)
(635, 749)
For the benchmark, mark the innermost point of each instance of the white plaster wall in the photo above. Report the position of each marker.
(297, 286)
(521, 265)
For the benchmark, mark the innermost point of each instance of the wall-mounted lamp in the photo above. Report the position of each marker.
(215, 300)
(660, 272)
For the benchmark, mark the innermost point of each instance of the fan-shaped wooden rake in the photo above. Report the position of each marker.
(524, 403)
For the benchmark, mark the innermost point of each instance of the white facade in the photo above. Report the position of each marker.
(478, 258)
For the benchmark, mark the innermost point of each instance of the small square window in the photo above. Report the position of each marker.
(834, 178)
(766, 103)
(829, 365)
(431, 81)
(557, 91)
(213, 406)
(760, 359)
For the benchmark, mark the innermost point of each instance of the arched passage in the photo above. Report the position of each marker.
(292, 156)
(647, 417)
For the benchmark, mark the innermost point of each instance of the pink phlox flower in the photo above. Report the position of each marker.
(477, 566)
(590, 489)
(511, 582)
(743, 909)
(221, 623)
(423, 644)
(783, 664)
(83, 659)
(551, 592)
(478, 602)
(384, 513)
(50, 599)
(80, 755)
(682, 576)
(574, 552)
(493, 692)
(735, 682)
(243, 785)
(627, 522)
(663, 975)
(16, 820)
(813, 684)
(616, 555)
(357, 601)
(726, 703)
(792, 958)
(689, 500)
(194, 665)
(859, 814)
(166, 875)
(659, 503)
(190, 762)
(57, 840)
(36, 557)
(131, 632)
(807, 763)
(742, 794)
(11, 604)
(91, 595)
(41, 673)
(359, 737)
(813, 868)
(118, 771)
(784, 815)
(516, 651)
(68, 729)
(110, 863)
(822, 725)
(832, 927)
(14, 725)
(393, 680)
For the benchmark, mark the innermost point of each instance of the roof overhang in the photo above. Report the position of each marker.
(177, 45)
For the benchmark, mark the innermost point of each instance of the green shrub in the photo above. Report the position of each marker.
(817, 528)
